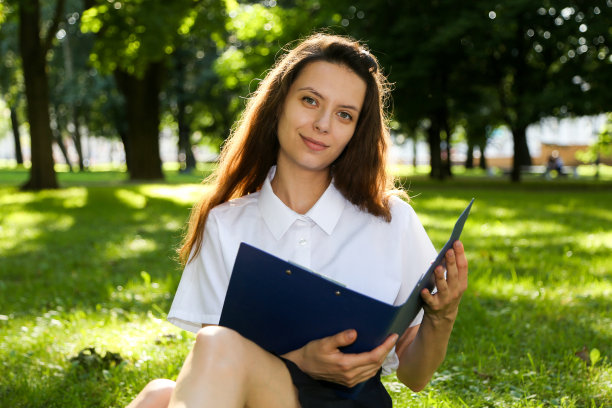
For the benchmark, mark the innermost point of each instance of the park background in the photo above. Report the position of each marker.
(87, 261)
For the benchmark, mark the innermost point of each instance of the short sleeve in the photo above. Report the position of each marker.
(417, 258)
(201, 291)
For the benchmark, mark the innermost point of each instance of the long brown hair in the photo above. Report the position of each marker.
(359, 172)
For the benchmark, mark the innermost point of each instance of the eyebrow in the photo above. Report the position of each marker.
(314, 91)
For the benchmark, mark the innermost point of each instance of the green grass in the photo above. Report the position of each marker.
(93, 265)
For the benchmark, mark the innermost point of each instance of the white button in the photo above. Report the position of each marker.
(302, 241)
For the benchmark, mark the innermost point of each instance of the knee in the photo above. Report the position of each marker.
(161, 386)
(218, 338)
(156, 394)
(220, 345)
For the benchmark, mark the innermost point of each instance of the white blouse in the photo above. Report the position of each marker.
(383, 260)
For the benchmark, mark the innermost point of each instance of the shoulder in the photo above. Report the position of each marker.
(237, 203)
(402, 213)
(400, 209)
(404, 217)
(237, 207)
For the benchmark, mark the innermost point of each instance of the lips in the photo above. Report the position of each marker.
(314, 144)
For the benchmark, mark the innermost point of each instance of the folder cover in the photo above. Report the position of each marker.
(281, 306)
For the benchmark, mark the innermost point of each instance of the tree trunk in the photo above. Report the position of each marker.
(184, 128)
(126, 148)
(521, 152)
(142, 111)
(433, 136)
(119, 121)
(73, 105)
(62, 147)
(519, 125)
(33, 55)
(184, 131)
(57, 137)
(469, 158)
(76, 135)
(447, 166)
(483, 160)
(414, 153)
(17, 136)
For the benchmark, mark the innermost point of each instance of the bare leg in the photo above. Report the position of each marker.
(155, 394)
(226, 370)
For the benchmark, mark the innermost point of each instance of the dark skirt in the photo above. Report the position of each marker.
(322, 394)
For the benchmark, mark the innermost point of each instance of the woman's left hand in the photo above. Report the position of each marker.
(443, 305)
(422, 350)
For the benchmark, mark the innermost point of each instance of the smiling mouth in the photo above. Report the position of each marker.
(313, 144)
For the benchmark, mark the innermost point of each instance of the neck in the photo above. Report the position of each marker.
(300, 190)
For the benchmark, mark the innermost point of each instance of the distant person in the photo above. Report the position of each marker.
(304, 177)
(555, 163)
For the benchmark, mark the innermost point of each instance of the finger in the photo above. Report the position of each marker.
(341, 339)
(451, 266)
(373, 359)
(461, 259)
(361, 373)
(364, 376)
(441, 283)
(386, 346)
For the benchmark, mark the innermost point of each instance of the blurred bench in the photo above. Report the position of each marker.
(540, 170)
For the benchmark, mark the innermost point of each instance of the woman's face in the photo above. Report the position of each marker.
(319, 116)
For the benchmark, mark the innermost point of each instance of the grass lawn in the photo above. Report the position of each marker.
(87, 274)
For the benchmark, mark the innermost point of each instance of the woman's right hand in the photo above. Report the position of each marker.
(323, 360)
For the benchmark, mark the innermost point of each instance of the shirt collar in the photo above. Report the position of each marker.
(325, 213)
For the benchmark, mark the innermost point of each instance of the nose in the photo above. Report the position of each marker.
(321, 123)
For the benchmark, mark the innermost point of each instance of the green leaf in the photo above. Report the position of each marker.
(146, 278)
(594, 356)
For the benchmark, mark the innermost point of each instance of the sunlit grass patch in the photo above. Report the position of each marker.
(183, 194)
(131, 198)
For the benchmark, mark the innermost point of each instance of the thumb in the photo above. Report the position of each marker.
(343, 338)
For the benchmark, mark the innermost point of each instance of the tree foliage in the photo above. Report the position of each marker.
(134, 41)
(256, 33)
(459, 70)
(540, 58)
(134, 33)
(517, 61)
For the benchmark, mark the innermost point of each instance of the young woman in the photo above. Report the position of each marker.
(304, 177)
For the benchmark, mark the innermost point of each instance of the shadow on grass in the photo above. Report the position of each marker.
(78, 256)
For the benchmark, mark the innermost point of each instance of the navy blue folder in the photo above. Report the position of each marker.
(281, 306)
